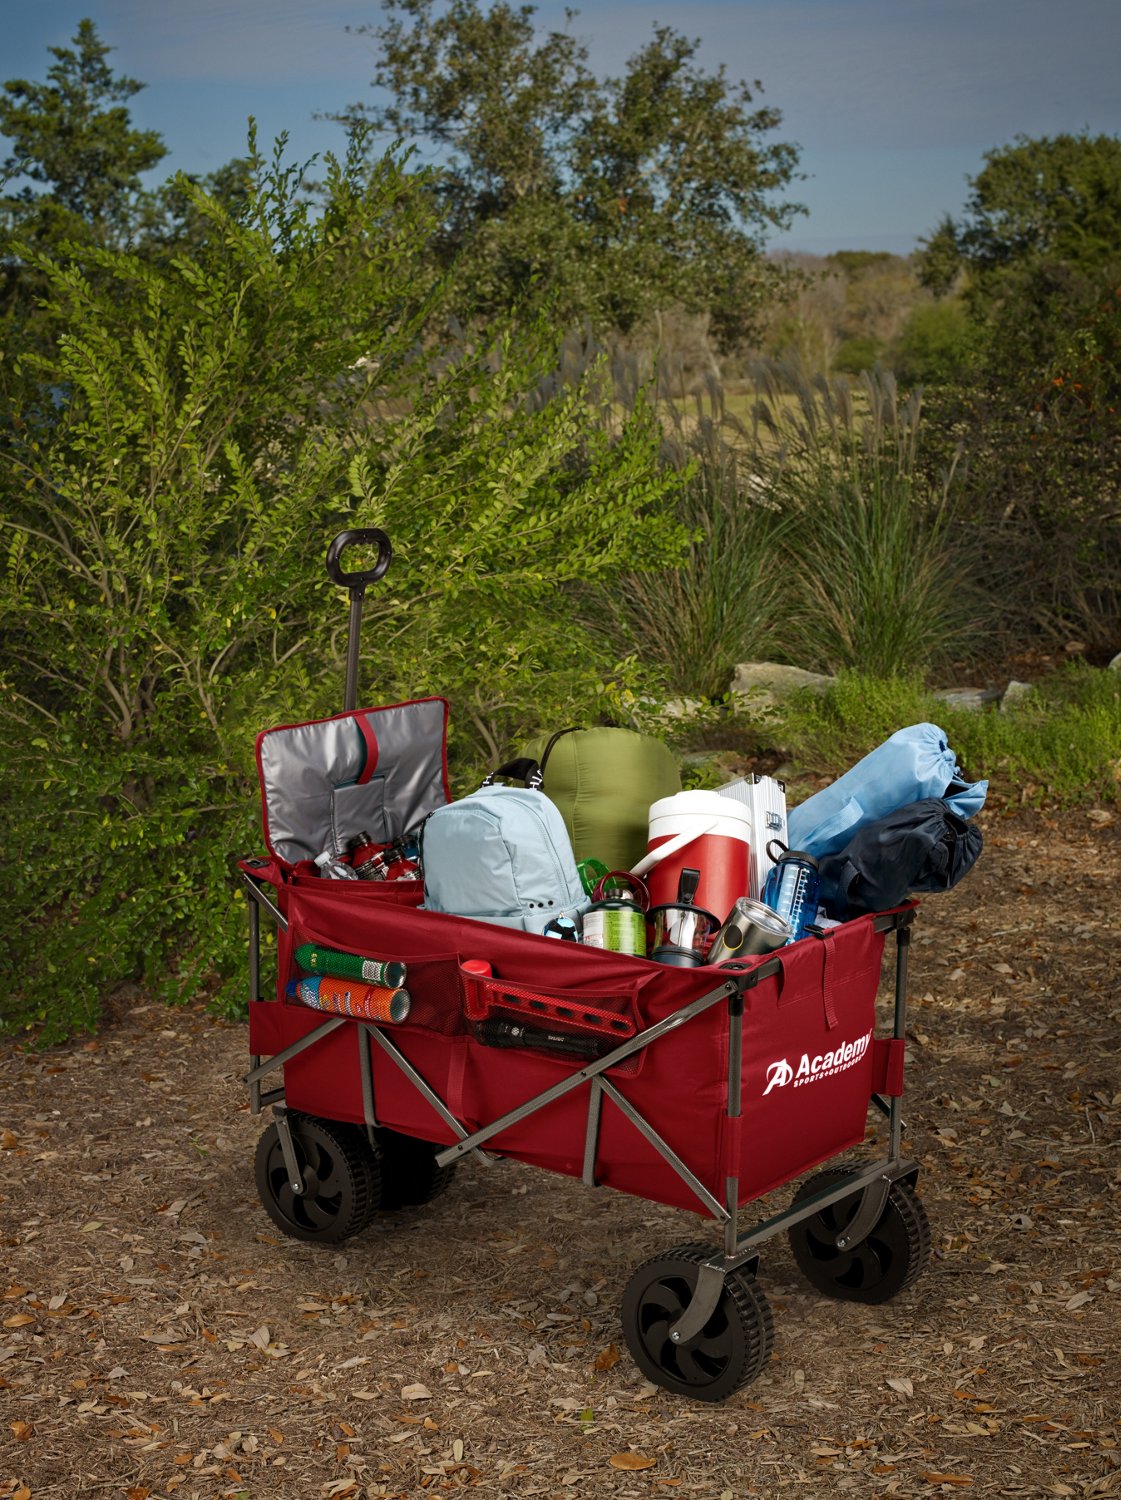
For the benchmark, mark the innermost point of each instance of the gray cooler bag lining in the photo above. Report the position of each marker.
(379, 771)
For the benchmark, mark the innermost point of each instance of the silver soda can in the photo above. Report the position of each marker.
(618, 926)
(750, 929)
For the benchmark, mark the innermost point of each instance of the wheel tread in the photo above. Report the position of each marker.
(360, 1163)
(908, 1209)
(755, 1317)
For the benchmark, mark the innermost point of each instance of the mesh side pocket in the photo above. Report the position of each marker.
(431, 980)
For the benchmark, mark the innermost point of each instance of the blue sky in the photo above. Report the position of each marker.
(893, 102)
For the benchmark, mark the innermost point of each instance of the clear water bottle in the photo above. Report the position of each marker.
(331, 867)
(792, 887)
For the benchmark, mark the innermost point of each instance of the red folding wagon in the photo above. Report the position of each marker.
(718, 1084)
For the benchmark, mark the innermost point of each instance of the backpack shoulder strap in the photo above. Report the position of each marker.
(525, 770)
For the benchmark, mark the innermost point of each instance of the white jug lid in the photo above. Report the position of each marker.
(700, 804)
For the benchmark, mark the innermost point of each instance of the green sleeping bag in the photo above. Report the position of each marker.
(603, 781)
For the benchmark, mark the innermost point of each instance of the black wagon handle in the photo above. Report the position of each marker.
(356, 584)
(368, 536)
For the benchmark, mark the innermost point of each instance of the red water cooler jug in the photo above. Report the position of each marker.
(700, 831)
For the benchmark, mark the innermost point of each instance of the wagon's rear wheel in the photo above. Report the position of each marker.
(409, 1174)
(341, 1180)
(730, 1349)
(890, 1258)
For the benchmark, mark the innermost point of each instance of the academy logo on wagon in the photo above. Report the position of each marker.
(813, 1069)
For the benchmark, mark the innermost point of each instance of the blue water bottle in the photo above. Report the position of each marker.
(792, 887)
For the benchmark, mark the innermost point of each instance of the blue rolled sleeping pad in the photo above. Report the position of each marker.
(913, 764)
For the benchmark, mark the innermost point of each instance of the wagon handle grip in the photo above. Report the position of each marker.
(356, 584)
(370, 536)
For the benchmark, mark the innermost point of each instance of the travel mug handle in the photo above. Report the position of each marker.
(672, 846)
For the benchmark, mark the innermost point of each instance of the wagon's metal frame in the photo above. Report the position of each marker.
(873, 1181)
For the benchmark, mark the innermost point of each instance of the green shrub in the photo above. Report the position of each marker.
(202, 428)
(690, 624)
(1061, 744)
(938, 344)
(878, 574)
(857, 354)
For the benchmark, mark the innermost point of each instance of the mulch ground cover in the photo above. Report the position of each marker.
(159, 1338)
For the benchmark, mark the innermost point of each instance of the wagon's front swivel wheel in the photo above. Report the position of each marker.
(339, 1173)
(890, 1258)
(730, 1349)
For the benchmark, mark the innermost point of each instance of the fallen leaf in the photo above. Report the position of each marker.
(260, 1337)
(947, 1478)
(18, 1320)
(631, 1461)
(607, 1358)
(8, 1140)
(22, 1430)
(903, 1386)
(138, 1492)
(416, 1392)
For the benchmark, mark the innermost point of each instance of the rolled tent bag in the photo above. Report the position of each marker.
(915, 763)
(921, 848)
(604, 780)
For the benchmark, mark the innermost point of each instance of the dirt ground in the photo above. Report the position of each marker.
(159, 1338)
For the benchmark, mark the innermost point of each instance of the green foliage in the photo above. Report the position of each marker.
(878, 576)
(693, 622)
(817, 539)
(842, 313)
(73, 136)
(941, 260)
(938, 344)
(856, 355)
(1036, 404)
(855, 262)
(1053, 198)
(203, 425)
(1060, 744)
(615, 197)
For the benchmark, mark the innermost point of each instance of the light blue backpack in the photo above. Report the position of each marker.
(914, 763)
(502, 855)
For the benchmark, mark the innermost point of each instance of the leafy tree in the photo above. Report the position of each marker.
(941, 259)
(72, 135)
(1054, 198)
(1040, 245)
(1038, 201)
(617, 197)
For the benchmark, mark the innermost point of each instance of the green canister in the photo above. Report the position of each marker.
(317, 960)
(617, 925)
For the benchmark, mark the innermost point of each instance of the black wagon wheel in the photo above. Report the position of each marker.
(409, 1174)
(341, 1178)
(730, 1349)
(890, 1258)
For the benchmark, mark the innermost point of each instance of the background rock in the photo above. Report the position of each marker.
(765, 683)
